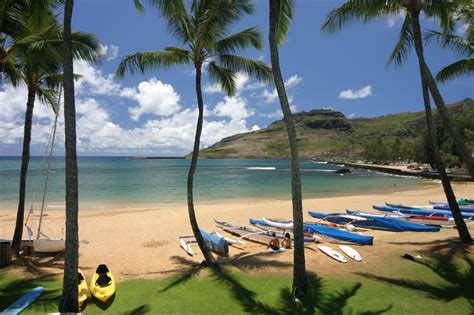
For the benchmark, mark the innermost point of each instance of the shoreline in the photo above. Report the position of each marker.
(96, 205)
(143, 242)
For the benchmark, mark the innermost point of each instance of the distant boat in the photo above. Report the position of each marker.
(262, 168)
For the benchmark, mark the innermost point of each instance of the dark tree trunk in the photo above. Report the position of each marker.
(69, 301)
(299, 269)
(448, 190)
(464, 153)
(192, 169)
(25, 160)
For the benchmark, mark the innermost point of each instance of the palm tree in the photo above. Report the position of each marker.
(442, 10)
(69, 302)
(37, 53)
(410, 34)
(281, 15)
(460, 45)
(204, 29)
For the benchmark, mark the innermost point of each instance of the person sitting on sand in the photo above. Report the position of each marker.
(286, 243)
(274, 243)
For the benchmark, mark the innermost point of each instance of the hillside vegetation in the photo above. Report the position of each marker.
(326, 134)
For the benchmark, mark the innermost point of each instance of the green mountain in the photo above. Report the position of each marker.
(324, 133)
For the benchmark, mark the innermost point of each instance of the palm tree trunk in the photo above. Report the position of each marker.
(448, 190)
(25, 160)
(299, 269)
(192, 168)
(464, 153)
(69, 301)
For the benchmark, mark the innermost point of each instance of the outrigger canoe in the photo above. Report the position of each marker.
(280, 232)
(434, 212)
(420, 219)
(374, 222)
(335, 234)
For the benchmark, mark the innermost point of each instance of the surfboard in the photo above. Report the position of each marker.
(333, 254)
(23, 302)
(350, 252)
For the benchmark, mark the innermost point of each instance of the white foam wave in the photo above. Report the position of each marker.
(263, 168)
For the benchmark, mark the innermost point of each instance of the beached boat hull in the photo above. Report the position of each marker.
(261, 224)
(418, 219)
(434, 212)
(49, 245)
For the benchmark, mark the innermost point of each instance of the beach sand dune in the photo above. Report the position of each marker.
(140, 243)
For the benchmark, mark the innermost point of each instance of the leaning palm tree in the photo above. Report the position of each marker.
(281, 14)
(410, 34)
(38, 65)
(203, 28)
(462, 46)
(441, 10)
(69, 302)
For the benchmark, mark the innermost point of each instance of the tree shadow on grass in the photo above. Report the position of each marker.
(459, 282)
(449, 246)
(318, 301)
(36, 265)
(142, 309)
(13, 290)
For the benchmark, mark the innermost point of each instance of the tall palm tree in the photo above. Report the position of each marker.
(203, 28)
(281, 15)
(69, 302)
(441, 10)
(37, 53)
(410, 34)
(462, 46)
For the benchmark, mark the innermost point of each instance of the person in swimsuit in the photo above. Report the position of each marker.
(274, 243)
(286, 243)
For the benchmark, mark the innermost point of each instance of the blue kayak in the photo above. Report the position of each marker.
(216, 243)
(371, 222)
(448, 208)
(338, 234)
(23, 302)
(435, 212)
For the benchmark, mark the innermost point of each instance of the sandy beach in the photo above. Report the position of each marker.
(138, 243)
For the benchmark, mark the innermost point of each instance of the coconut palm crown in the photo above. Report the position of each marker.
(203, 27)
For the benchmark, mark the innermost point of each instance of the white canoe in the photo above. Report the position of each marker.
(281, 225)
(333, 254)
(350, 252)
(49, 245)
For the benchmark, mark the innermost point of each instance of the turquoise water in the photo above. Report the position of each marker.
(119, 180)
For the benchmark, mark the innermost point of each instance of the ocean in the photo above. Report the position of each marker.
(122, 181)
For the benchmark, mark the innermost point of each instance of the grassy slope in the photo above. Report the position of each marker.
(313, 142)
(402, 287)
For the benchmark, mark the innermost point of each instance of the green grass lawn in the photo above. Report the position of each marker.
(441, 286)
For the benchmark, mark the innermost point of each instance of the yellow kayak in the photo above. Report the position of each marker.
(103, 284)
(82, 290)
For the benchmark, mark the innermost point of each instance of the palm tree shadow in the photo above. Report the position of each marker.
(317, 301)
(459, 283)
(15, 289)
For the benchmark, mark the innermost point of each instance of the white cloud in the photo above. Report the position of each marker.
(233, 107)
(360, 93)
(93, 81)
(153, 97)
(352, 115)
(272, 96)
(255, 128)
(109, 52)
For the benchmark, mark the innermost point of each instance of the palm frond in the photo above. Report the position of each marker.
(223, 76)
(404, 44)
(152, 60)
(250, 37)
(285, 17)
(253, 68)
(176, 16)
(458, 44)
(444, 11)
(457, 69)
(49, 97)
(360, 10)
(139, 6)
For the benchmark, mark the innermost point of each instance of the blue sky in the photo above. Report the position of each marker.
(154, 114)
